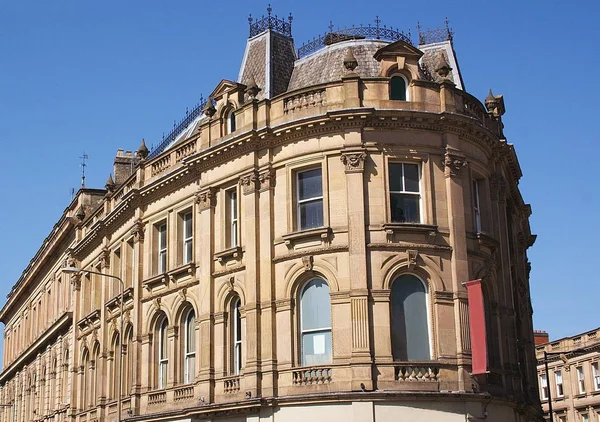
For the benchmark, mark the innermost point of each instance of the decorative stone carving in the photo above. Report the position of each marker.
(231, 283)
(308, 262)
(412, 258)
(156, 303)
(252, 89)
(182, 294)
(105, 258)
(137, 231)
(497, 187)
(266, 179)
(206, 199)
(248, 183)
(350, 62)
(76, 281)
(454, 162)
(354, 161)
(209, 109)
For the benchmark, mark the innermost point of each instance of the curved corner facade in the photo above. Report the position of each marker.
(292, 257)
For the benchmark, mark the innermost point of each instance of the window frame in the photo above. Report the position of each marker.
(162, 357)
(236, 336)
(476, 197)
(420, 164)
(232, 217)
(560, 392)
(299, 202)
(189, 353)
(230, 122)
(406, 86)
(162, 253)
(302, 331)
(580, 380)
(187, 242)
(544, 386)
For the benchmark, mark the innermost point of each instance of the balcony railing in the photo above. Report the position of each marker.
(416, 372)
(231, 384)
(311, 376)
(160, 397)
(183, 393)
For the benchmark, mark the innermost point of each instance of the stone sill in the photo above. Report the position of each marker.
(321, 232)
(228, 254)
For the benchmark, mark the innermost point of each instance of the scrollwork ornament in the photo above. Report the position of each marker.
(266, 179)
(248, 183)
(137, 231)
(354, 161)
(205, 199)
(454, 162)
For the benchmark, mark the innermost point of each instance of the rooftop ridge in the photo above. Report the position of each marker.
(435, 35)
(270, 22)
(376, 31)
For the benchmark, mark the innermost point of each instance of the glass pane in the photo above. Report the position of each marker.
(238, 322)
(405, 208)
(397, 88)
(162, 236)
(316, 306)
(163, 340)
(187, 224)
(188, 252)
(411, 177)
(396, 177)
(233, 199)
(311, 214)
(310, 184)
(316, 348)
(191, 333)
(410, 330)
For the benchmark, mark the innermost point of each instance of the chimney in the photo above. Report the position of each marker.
(540, 337)
(124, 166)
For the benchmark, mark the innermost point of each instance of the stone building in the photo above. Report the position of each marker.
(572, 382)
(294, 249)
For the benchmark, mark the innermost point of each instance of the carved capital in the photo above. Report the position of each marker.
(248, 182)
(497, 187)
(137, 231)
(454, 162)
(76, 281)
(266, 179)
(354, 161)
(105, 258)
(206, 199)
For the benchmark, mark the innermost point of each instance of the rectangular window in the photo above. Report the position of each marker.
(116, 268)
(559, 383)
(309, 199)
(232, 217)
(130, 251)
(476, 206)
(580, 380)
(162, 248)
(405, 192)
(596, 374)
(237, 338)
(544, 386)
(584, 417)
(188, 238)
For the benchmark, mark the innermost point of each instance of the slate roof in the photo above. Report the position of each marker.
(327, 64)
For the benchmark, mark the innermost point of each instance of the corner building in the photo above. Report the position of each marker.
(294, 250)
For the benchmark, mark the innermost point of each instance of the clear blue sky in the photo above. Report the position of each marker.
(97, 76)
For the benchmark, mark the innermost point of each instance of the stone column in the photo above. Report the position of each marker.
(454, 162)
(250, 225)
(354, 161)
(205, 204)
(137, 271)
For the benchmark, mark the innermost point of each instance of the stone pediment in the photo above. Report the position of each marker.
(226, 86)
(398, 48)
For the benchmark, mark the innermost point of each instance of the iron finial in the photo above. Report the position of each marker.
(290, 18)
(269, 9)
(330, 26)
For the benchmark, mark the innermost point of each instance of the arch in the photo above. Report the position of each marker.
(398, 87)
(182, 307)
(410, 319)
(188, 345)
(298, 275)
(315, 322)
(162, 351)
(227, 114)
(227, 291)
(400, 264)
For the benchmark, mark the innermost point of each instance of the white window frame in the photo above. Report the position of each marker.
(188, 242)
(237, 337)
(189, 349)
(580, 380)
(596, 375)
(404, 192)
(163, 359)
(406, 86)
(230, 122)
(544, 386)
(162, 246)
(300, 202)
(304, 331)
(558, 379)
(477, 205)
(232, 217)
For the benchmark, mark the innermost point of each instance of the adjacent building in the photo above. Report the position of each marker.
(295, 249)
(572, 381)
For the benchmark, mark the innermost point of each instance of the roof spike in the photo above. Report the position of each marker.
(269, 9)
(143, 150)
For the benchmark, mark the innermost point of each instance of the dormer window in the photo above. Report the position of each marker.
(230, 122)
(398, 88)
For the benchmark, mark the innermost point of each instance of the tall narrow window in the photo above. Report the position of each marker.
(162, 248)
(315, 323)
(476, 206)
(405, 194)
(596, 375)
(544, 386)
(163, 355)
(398, 88)
(116, 268)
(232, 218)
(188, 239)
(410, 326)
(189, 348)
(559, 383)
(231, 126)
(580, 380)
(116, 356)
(309, 200)
(237, 337)
(128, 281)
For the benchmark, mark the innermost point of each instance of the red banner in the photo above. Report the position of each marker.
(477, 322)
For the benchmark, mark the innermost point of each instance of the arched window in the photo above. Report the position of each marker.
(410, 326)
(230, 122)
(163, 354)
(315, 323)
(189, 347)
(398, 88)
(114, 367)
(236, 335)
(128, 361)
(95, 380)
(64, 379)
(85, 362)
